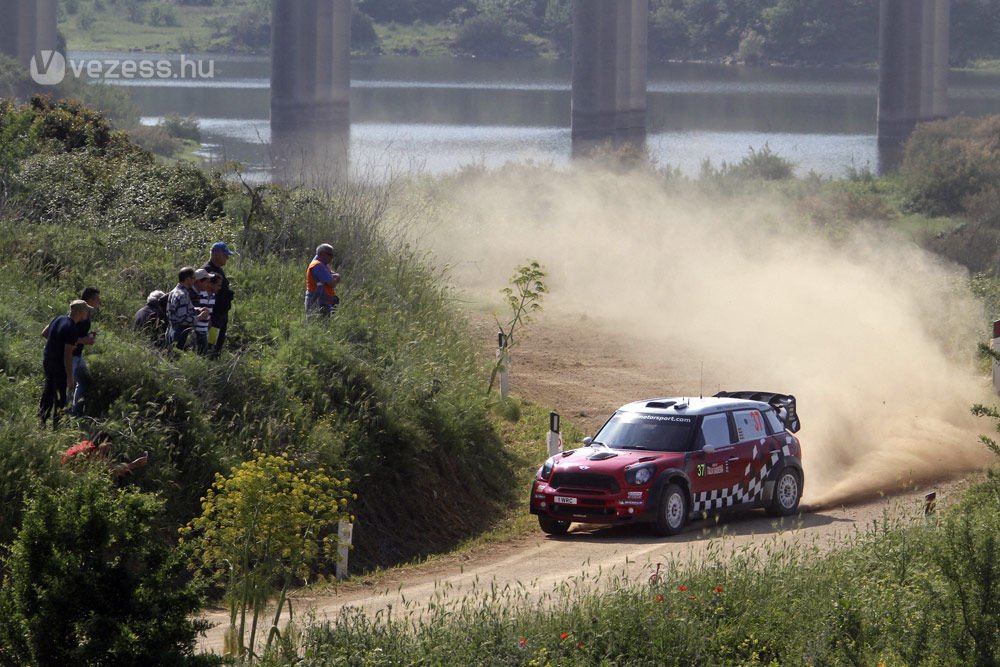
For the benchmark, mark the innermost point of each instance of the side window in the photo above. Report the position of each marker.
(714, 431)
(774, 421)
(749, 425)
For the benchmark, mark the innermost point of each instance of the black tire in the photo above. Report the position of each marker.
(672, 513)
(787, 493)
(552, 526)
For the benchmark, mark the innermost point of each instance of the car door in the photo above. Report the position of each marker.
(716, 465)
(752, 452)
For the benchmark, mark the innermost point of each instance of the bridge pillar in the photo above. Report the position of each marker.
(310, 89)
(27, 27)
(609, 72)
(913, 70)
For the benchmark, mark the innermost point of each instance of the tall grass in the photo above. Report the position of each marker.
(903, 592)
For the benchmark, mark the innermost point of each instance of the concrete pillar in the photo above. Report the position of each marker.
(310, 89)
(913, 69)
(609, 71)
(939, 76)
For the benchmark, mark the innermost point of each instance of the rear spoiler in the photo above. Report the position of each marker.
(783, 404)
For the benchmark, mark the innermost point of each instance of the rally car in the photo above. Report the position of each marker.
(664, 461)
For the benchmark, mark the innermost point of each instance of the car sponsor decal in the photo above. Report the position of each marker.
(739, 493)
(662, 418)
(713, 469)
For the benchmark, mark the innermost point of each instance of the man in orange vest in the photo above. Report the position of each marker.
(321, 283)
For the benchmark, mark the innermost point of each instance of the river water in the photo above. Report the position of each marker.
(439, 114)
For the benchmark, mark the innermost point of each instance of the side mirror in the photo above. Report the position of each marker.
(708, 449)
(587, 441)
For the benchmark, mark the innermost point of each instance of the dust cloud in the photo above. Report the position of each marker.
(875, 337)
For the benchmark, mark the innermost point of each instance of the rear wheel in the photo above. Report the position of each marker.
(787, 492)
(552, 526)
(673, 511)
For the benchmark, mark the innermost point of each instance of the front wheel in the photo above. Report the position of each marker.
(787, 492)
(673, 511)
(552, 526)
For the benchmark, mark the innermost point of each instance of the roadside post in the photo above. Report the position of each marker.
(503, 362)
(995, 346)
(554, 438)
(345, 532)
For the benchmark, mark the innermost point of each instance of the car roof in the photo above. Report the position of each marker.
(682, 405)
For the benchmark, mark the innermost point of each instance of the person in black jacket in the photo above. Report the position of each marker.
(152, 318)
(220, 254)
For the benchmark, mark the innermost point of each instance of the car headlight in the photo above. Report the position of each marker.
(640, 475)
(546, 470)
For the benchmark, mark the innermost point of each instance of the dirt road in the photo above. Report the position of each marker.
(584, 372)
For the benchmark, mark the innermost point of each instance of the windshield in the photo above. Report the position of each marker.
(658, 433)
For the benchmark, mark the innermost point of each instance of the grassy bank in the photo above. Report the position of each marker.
(388, 393)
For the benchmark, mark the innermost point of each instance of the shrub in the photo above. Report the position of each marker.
(88, 581)
(947, 164)
(493, 34)
(155, 139)
(267, 524)
(181, 128)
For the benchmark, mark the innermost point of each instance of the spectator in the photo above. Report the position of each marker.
(98, 448)
(181, 311)
(152, 317)
(206, 283)
(85, 336)
(57, 361)
(321, 283)
(220, 254)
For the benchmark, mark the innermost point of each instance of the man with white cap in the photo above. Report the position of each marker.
(152, 317)
(57, 360)
(321, 283)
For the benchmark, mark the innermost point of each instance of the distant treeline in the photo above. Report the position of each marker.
(813, 32)
(784, 31)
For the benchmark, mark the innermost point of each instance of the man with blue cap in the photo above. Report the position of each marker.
(223, 297)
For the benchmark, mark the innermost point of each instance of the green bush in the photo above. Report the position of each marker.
(181, 128)
(87, 581)
(493, 34)
(947, 165)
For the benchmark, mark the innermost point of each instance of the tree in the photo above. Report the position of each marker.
(88, 581)
(524, 297)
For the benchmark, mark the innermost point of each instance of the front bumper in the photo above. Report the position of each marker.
(590, 506)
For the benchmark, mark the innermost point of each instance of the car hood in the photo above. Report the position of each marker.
(607, 460)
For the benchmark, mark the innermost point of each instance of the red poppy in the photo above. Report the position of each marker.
(682, 588)
(523, 641)
(563, 636)
(717, 589)
(659, 598)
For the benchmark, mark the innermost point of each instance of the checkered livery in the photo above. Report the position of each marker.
(740, 493)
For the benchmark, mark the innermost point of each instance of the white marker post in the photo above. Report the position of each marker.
(995, 346)
(554, 438)
(345, 531)
(503, 359)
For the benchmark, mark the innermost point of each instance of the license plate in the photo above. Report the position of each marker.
(565, 500)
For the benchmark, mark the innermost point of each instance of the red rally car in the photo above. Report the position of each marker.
(665, 460)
